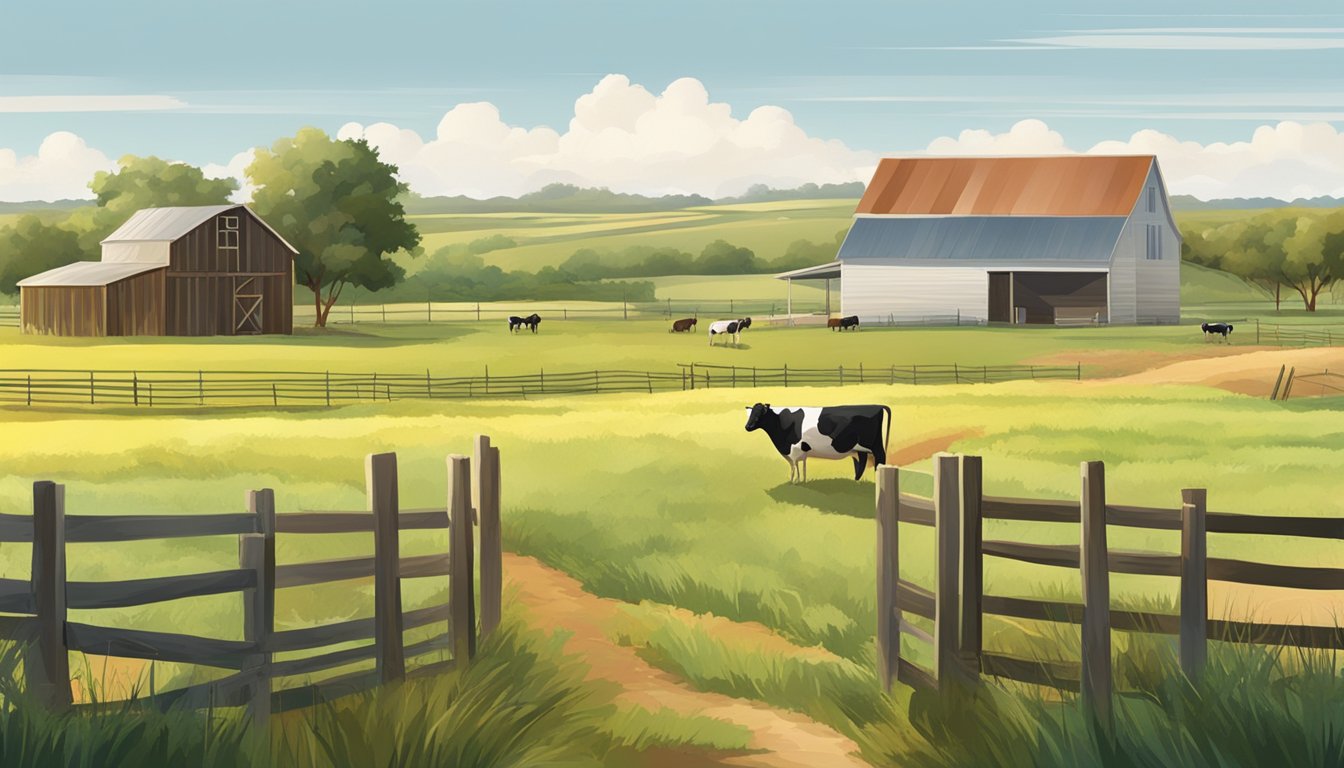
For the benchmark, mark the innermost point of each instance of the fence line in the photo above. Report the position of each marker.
(159, 388)
(466, 311)
(473, 492)
(957, 604)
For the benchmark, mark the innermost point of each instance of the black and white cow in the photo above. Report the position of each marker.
(1221, 329)
(831, 432)
(732, 328)
(516, 322)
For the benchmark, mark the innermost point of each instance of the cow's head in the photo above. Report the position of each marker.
(744, 323)
(756, 413)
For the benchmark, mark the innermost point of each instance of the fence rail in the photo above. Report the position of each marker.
(437, 312)
(957, 603)
(157, 388)
(473, 494)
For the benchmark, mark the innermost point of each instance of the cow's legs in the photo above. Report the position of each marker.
(860, 462)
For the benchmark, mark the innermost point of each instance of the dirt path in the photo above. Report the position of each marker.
(784, 739)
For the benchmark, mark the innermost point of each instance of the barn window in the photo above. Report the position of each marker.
(1152, 199)
(1154, 242)
(228, 232)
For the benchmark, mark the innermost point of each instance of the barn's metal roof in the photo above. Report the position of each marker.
(168, 224)
(86, 274)
(982, 238)
(1073, 185)
(164, 224)
(827, 271)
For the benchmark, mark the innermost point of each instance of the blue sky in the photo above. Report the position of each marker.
(199, 83)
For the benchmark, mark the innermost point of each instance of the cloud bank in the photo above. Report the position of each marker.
(630, 139)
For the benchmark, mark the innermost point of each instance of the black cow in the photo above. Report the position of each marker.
(532, 321)
(849, 322)
(831, 432)
(1221, 329)
(516, 322)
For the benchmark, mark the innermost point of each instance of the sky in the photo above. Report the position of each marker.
(488, 97)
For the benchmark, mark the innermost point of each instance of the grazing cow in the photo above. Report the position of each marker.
(733, 328)
(532, 321)
(683, 325)
(516, 322)
(833, 323)
(1221, 329)
(832, 432)
(849, 322)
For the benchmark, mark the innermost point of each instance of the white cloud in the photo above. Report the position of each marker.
(89, 103)
(235, 168)
(621, 136)
(1178, 42)
(62, 168)
(1286, 160)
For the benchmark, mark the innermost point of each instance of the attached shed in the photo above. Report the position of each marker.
(1038, 240)
(196, 271)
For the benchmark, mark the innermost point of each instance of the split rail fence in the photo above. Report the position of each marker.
(956, 603)
(150, 389)
(47, 596)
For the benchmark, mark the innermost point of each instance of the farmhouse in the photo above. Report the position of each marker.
(1040, 240)
(198, 271)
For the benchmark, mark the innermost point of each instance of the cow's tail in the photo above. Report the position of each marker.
(886, 441)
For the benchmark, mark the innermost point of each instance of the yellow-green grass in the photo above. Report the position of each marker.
(666, 498)
(467, 347)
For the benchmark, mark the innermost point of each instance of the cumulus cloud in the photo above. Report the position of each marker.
(621, 136)
(62, 168)
(1287, 160)
(236, 169)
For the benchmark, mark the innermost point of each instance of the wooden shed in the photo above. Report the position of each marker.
(198, 271)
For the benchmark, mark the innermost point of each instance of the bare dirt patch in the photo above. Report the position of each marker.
(927, 447)
(1248, 373)
(781, 739)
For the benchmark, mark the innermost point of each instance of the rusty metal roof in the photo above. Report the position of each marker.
(1073, 185)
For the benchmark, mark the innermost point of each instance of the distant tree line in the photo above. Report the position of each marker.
(1300, 250)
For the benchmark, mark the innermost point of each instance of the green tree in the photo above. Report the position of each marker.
(30, 246)
(1313, 256)
(723, 258)
(143, 182)
(338, 204)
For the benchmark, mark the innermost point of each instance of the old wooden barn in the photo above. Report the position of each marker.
(198, 271)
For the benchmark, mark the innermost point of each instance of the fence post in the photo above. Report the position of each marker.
(328, 389)
(256, 552)
(429, 312)
(373, 388)
(1274, 393)
(90, 387)
(275, 396)
(1257, 331)
(972, 581)
(1194, 583)
(30, 389)
(888, 574)
(461, 589)
(200, 386)
(380, 475)
(947, 541)
(1096, 630)
(1288, 384)
(786, 374)
(487, 379)
(135, 388)
(47, 662)
(487, 493)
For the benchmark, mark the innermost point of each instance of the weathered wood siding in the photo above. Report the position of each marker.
(202, 279)
(64, 310)
(135, 305)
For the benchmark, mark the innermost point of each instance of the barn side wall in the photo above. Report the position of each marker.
(63, 310)
(203, 278)
(135, 306)
(879, 292)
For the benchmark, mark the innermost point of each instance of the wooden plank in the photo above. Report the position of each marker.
(1267, 575)
(461, 584)
(888, 574)
(47, 663)
(1030, 510)
(381, 479)
(16, 596)
(971, 559)
(1062, 675)
(310, 664)
(947, 514)
(319, 693)
(18, 629)
(914, 599)
(488, 507)
(228, 691)
(421, 566)
(103, 528)
(427, 615)
(16, 528)
(120, 594)
(325, 634)
(1194, 583)
(357, 522)
(1072, 613)
(1096, 627)
(1270, 525)
(256, 552)
(1066, 556)
(916, 510)
(915, 677)
(1144, 517)
(158, 646)
(1293, 635)
(322, 571)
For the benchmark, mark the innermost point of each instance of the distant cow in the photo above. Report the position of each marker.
(1221, 329)
(532, 321)
(832, 323)
(849, 322)
(831, 432)
(516, 322)
(683, 325)
(733, 328)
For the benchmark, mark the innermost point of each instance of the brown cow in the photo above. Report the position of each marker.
(683, 325)
(833, 323)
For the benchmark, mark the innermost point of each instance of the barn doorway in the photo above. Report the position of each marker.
(247, 306)
(1048, 298)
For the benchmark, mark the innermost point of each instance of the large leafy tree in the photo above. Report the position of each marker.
(1313, 257)
(30, 246)
(338, 204)
(143, 182)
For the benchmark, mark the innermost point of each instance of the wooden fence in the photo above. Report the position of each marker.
(151, 389)
(1272, 334)
(956, 603)
(47, 596)
(1319, 383)
(438, 312)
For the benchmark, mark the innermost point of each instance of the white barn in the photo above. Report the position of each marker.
(1041, 240)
